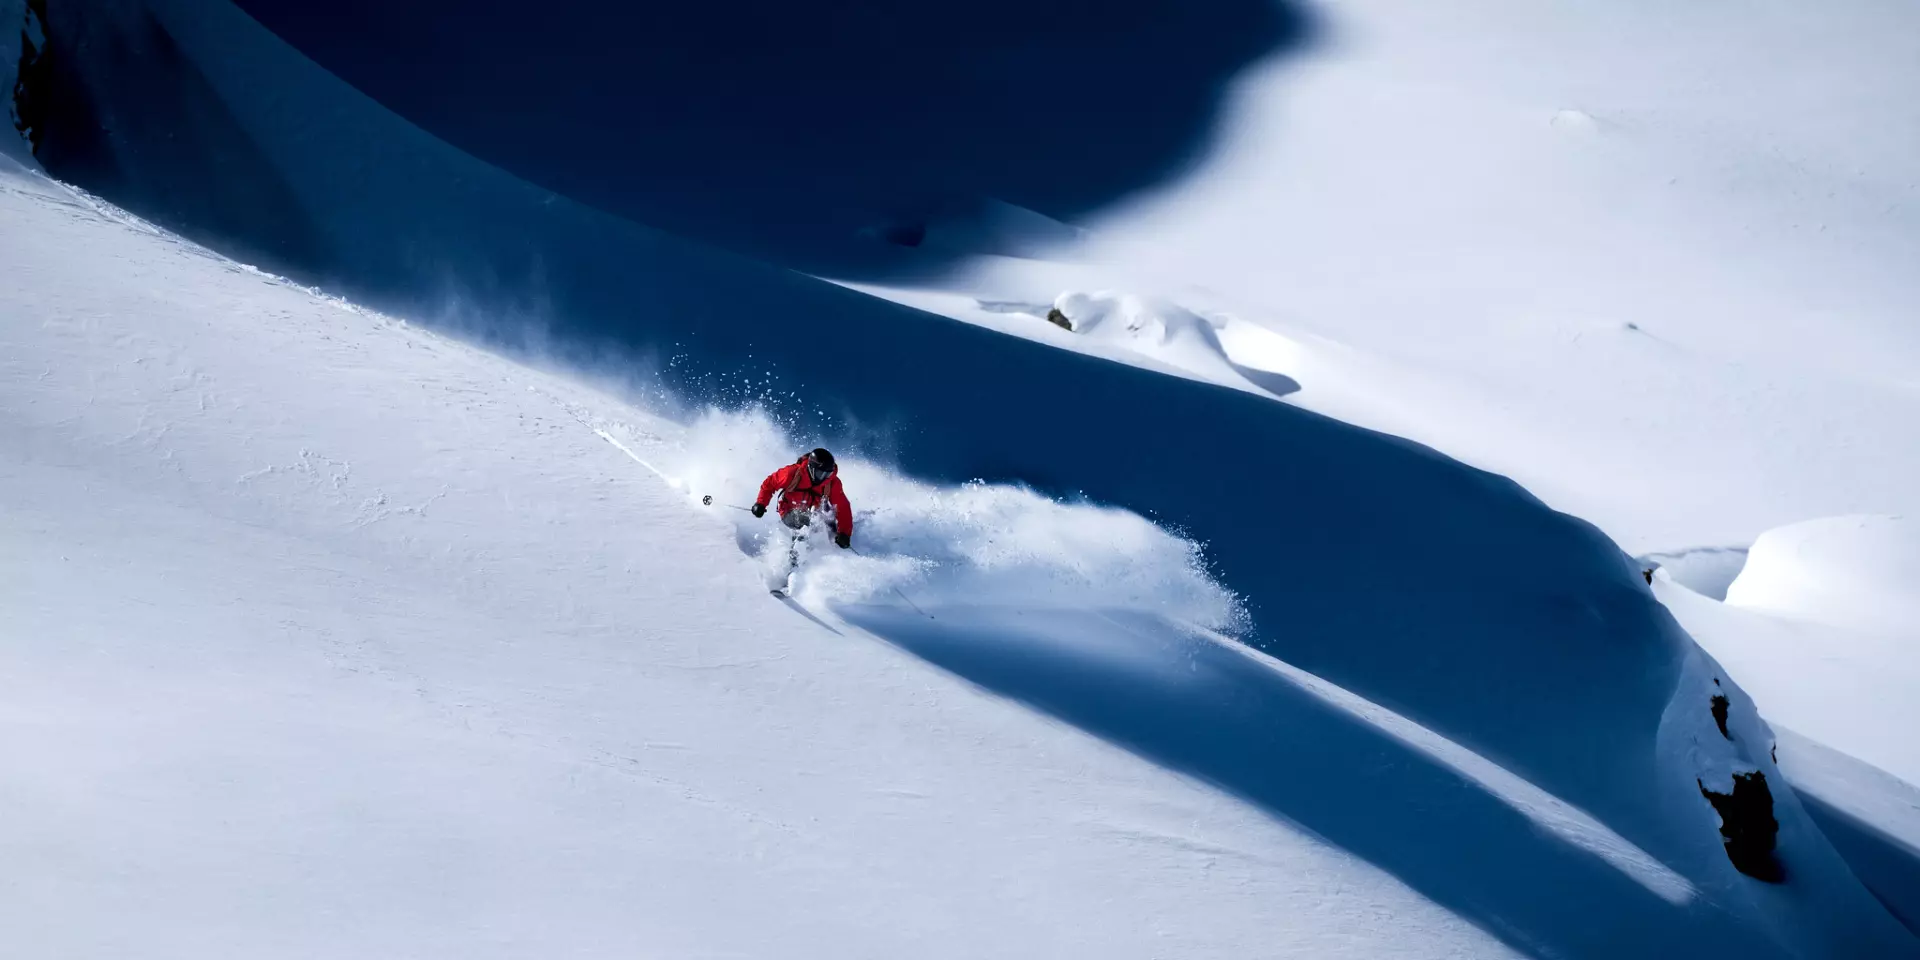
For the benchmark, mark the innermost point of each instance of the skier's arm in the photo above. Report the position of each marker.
(842, 510)
(774, 481)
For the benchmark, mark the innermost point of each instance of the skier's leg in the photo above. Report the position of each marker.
(797, 521)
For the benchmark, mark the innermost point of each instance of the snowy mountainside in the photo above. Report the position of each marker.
(1434, 624)
(1819, 624)
(321, 616)
(413, 225)
(1652, 261)
(328, 637)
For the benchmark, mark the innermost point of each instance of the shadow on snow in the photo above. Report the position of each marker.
(806, 133)
(1444, 593)
(1203, 709)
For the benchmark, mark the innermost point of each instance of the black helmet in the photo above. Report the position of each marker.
(819, 464)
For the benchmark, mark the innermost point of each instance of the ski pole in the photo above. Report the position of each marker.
(902, 594)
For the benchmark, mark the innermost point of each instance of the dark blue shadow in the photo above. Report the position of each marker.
(1199, 708)
(1887, 865)
(785, 129)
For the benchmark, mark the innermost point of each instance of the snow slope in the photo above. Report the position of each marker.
(332, 637)
(1476, 692)
(1820, 625)
(1872, 818)
(1652, 261)
(328, 637)
(1844, 693)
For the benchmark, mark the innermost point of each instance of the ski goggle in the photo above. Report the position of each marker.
(817, 470)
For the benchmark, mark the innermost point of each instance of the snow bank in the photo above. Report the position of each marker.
(1130, 327)
(1855, 570)
(1707, 571)
(1820, 626)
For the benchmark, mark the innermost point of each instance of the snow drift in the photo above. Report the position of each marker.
(1820, 625)
(1853, 571)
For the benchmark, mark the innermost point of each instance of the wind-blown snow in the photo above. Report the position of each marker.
(979, 544)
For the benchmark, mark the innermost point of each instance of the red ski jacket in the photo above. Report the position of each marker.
(798, 492)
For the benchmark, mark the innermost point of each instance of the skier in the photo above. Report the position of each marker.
(807, 485)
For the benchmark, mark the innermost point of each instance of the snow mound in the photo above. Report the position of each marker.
(1172, 334)
(1853, 570)
(977, 544)
(1151, 326)
(1809, 640)
(1576, 122)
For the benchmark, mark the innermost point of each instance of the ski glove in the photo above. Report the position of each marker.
(759, 510)
(845, 540)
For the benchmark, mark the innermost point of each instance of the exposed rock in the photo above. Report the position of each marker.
(29, 101)
(1747, 825)
(1719, 707)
